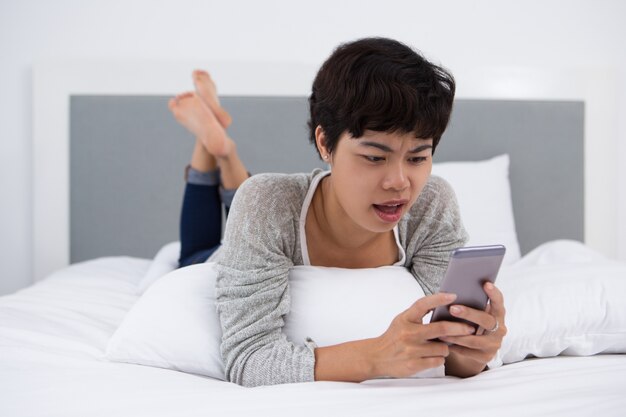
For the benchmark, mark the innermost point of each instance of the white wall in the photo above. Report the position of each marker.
(460, 34)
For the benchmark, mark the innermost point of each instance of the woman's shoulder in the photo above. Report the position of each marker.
(277, 188)
(278, 181)
(437, 202)
(435, 217)
(436, 194)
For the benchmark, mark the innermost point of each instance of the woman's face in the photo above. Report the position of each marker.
(379, 176)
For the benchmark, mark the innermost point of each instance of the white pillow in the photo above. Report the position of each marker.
(336, 305)
(563, 299)
(174, 324)
(166, 260)
(484, 194)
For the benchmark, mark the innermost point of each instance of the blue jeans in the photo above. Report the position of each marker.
(200, 223)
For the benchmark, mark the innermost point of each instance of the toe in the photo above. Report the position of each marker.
(184, 95)
(201, 75)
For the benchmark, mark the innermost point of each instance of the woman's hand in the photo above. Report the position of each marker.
(407, 347)
(469, 354)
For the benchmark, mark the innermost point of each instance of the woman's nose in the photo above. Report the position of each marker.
(396, 178)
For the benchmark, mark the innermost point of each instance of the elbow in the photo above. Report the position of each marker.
(239, 368)
(269, 363)
(234, 364)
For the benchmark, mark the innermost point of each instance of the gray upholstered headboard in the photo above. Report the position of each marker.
(127, 156)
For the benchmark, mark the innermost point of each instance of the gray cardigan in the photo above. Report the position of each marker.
(261, 244)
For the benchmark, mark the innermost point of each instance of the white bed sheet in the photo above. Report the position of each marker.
(53, 337)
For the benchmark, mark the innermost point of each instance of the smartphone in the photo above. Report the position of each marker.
(468, 270)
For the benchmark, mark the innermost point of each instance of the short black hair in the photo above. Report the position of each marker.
(383, 85)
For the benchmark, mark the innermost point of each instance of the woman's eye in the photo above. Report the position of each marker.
(373, 158)
(418, 159)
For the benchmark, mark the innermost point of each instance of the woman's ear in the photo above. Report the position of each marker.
(320, 142)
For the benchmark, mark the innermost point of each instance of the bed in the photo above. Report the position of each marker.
(101, 333)
(53, 336)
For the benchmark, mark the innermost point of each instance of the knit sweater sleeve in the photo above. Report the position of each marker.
(252, 286)
(431, 231)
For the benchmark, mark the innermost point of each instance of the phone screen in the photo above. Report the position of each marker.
(468, 270)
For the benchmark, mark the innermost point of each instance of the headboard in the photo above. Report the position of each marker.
(109, 158)
(127, 156)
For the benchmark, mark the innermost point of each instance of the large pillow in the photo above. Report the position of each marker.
(166, 260)
(563, 299)
(484, 194)
(174, 324)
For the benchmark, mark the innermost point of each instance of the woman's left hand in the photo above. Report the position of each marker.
(470, 354)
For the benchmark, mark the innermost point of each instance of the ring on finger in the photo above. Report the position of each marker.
(495, 328)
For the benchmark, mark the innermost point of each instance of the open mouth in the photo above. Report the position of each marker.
(389, 212)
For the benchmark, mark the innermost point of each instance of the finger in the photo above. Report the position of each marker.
(473, 342)
(496, 300)
(481, 330)
(483, 319)
(421, 307)
(440, 329)
(482, 356)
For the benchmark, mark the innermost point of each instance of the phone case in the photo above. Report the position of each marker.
(468, 270)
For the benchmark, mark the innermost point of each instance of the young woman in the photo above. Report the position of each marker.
(378, 110)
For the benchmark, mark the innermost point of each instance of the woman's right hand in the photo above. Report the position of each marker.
(407, 347)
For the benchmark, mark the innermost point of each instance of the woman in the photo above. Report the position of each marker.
(378, 110)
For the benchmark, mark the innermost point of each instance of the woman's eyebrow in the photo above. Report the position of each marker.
(421, 148)
(377, 145)
(386, 148)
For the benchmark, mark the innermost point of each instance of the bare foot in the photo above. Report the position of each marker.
(207, 91)
(191, 112)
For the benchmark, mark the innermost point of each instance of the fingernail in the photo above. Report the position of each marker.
(455, 310)
(489, 286)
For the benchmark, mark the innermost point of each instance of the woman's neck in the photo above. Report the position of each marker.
(334, 223)
(335, 240)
